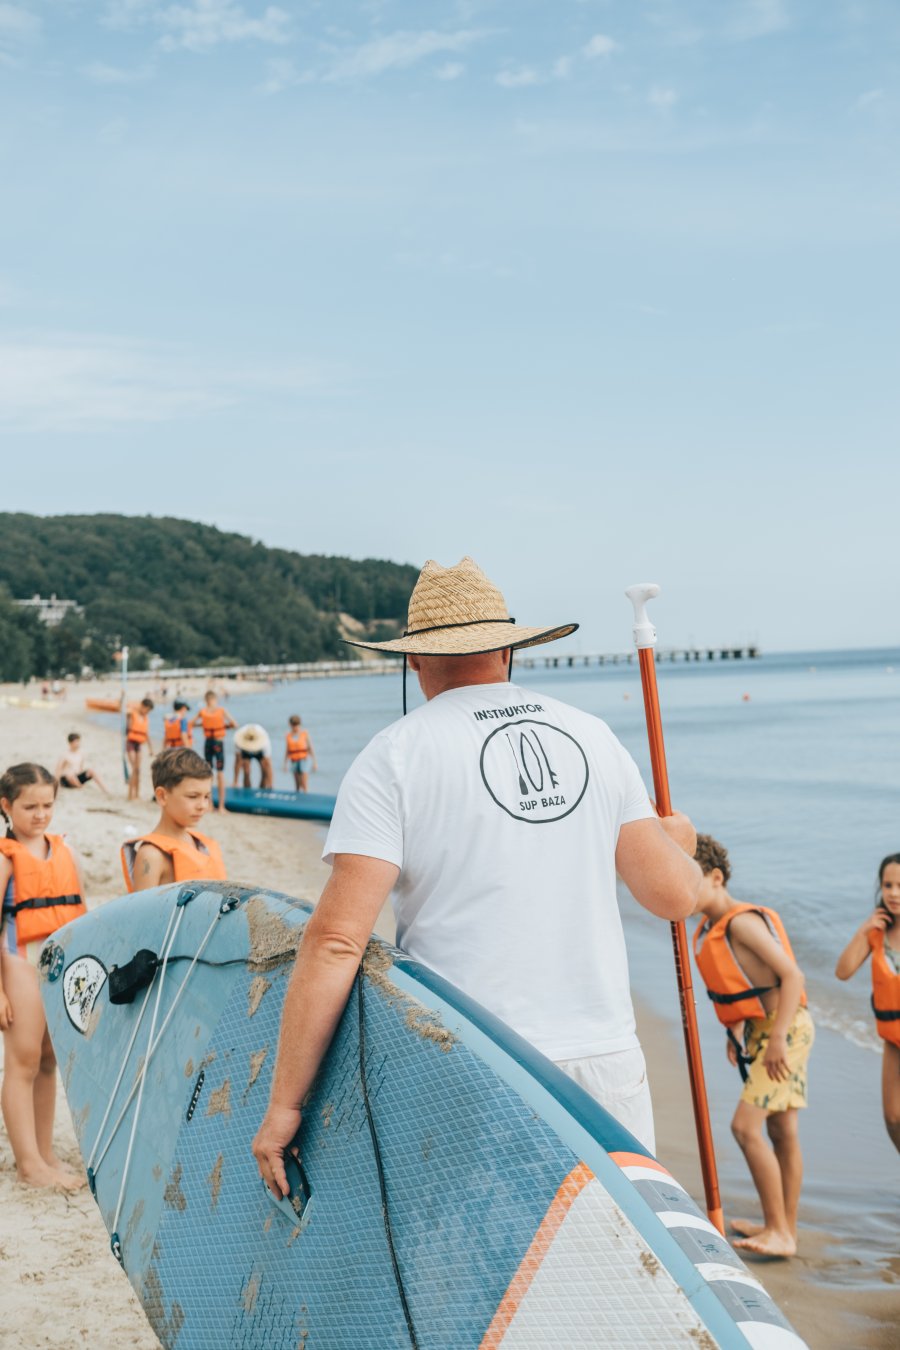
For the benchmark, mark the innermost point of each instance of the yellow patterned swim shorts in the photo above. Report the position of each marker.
(760, 1089)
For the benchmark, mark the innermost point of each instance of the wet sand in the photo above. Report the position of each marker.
(63, 1288)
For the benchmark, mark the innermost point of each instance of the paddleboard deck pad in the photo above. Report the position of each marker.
(455, 1189)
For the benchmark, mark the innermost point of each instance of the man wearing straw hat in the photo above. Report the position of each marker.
(496, 819)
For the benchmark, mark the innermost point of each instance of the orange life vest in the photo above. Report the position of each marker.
(138, 727)
(46, 891)
(213, 720)
(203, 862)
(174, 736)
(732, 994)
(297, 745)
(885, 991)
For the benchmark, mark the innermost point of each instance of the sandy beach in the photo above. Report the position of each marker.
(64, 1288)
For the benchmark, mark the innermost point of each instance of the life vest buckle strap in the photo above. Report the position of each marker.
(46, 902)
(740, 995)
(885, 1014)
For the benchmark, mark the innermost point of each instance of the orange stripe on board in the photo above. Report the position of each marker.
(550, 1225)
(639, 1160)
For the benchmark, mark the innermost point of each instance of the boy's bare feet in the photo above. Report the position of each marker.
(746, 1227)
(768, 1242)
(40, 1176)
(69, 1180)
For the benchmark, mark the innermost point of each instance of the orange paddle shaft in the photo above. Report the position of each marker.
(645, 639)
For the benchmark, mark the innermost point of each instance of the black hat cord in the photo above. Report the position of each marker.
(468, 623)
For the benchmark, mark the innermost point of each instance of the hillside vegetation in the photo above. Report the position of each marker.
(187, 592)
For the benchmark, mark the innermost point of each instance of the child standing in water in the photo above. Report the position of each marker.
(137, 735)
(745, 958)
(40, 882)
(880, 937)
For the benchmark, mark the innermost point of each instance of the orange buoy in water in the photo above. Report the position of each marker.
(745, 697)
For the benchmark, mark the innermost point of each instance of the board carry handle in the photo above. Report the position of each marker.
(294, 1207)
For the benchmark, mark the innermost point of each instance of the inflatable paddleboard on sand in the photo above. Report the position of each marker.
(456, 1190)
(277, 802)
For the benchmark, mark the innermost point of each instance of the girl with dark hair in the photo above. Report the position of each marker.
(879, 936)
(41, 889)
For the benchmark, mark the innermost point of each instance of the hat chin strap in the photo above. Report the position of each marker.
(452, 625)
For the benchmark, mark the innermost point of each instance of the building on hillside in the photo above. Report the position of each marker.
(52, 611)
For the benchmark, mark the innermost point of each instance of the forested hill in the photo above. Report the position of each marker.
(187, 592)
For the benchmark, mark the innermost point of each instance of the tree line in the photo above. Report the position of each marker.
(190, 593)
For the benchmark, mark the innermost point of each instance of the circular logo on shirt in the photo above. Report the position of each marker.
(83, 979)
(534, 771)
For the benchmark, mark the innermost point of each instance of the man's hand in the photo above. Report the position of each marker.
(680, 829)
(277, 1131)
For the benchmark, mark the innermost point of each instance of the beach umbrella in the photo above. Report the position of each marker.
(645, 641)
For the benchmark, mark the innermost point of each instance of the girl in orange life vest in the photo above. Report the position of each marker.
(298, 749)
(880, 937)
(177, 727)
(137, 735)
(40, 882)
(756, 986)
(215, 722)
(175, 850)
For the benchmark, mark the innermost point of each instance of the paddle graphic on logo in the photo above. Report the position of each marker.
(82, 981)
(534, 771)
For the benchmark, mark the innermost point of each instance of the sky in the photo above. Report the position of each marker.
(596, 292)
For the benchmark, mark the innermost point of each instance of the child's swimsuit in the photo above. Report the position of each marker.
(768, 1093)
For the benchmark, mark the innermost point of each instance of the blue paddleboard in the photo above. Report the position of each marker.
(455, 1189)
(278, 802)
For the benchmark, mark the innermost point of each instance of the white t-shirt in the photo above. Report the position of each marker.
(502, 809)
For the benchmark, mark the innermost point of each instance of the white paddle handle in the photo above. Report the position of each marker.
(639, 594)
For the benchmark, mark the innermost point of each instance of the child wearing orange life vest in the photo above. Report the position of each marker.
(41, 889)
(215, 722)
(137, 735)
(177, 727)
(879, 936)
(175, 850)
(297, 752)
(757, 989)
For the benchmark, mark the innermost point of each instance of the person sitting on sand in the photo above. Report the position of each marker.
(72, 771)
(745, 958)
(42, 889)
(215, 722)
(298, 751)
(252, 744)
(879, 937)
(175, 850)
(137, 735)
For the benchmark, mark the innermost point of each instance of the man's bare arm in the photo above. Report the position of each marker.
(327, 961)
(657, 870)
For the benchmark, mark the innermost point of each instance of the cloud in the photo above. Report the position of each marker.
(17, 24)
(600, 45)
(280, 74)
(757, 18)
(562, 67)
(202, 24)
(869, 97)
(518, 77)
(662, 97)
(100, 73)
(452, 70)
(73, 382)
(398, 51)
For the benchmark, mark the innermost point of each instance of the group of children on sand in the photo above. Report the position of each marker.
(215, 722)
(742, 952)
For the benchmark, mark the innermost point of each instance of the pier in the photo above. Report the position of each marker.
(528, 658)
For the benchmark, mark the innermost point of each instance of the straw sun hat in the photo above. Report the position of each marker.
(251, 738)
(457, 611)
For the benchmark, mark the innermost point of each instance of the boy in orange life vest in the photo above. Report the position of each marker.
(177, 727)
(215, 722)
(137, 735)
(175, 850)
(745, 958)
(298, 749)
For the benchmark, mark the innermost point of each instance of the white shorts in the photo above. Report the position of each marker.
(618, 1081)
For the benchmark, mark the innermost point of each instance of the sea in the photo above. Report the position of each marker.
(792, 761)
